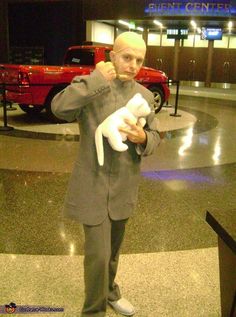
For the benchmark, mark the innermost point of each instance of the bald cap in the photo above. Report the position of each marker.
(128, 39)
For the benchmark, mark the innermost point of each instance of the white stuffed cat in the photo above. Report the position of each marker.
(135, 110)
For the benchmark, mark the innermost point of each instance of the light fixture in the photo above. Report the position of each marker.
(158, 23)
(131, 25)
(230, 25)
(194, 24)
(140, 29)
(124, 23)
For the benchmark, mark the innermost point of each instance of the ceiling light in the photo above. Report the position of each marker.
(158, 23)
(129, 25)
(140, 29)
(194, 24)
(124, 23)
(230, 25)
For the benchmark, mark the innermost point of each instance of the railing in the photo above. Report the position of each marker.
(175, 114)
(170, 81)
(5, 127)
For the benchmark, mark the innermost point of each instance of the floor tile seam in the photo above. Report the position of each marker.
(122, 255)
(220, 97)
(41, 136)
(209, 89)
(145, 171)
(194, 168)
(205, 94)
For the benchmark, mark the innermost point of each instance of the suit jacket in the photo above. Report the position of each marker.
(95, 191)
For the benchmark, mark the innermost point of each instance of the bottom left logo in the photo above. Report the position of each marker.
(10, 309)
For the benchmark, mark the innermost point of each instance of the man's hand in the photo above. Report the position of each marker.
(107, 70)
(135, 133)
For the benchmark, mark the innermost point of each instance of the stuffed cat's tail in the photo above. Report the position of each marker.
(99, 145)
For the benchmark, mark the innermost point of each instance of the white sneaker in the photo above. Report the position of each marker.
(123, 307)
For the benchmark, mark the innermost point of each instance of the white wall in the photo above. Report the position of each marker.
(154, 39)
(232, 43)
(102, 33)
(197, 42)
(222, 43)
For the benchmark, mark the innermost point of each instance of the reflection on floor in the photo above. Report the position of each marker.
(169, 261)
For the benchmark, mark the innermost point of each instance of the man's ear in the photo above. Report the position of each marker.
(112, 56)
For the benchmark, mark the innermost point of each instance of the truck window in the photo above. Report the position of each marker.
(80, 57)
(107, 55)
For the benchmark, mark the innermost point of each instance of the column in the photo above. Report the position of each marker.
(209, 63)
(89, 31)
(4, 36)
(145, 35)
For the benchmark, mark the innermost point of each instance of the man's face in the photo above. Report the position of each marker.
(128, 62)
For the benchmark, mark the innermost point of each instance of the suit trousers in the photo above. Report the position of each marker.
(101, 256)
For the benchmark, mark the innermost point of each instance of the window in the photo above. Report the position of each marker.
(107, 56)
(80, 57)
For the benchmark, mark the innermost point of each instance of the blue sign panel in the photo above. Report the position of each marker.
(211, 34)
(222, 8)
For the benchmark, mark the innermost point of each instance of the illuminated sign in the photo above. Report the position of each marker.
(190, 8)
(177, 33)
(211, 34)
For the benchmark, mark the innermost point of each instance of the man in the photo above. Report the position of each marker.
(102, 197)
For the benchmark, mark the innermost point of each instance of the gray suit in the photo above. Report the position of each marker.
(95, 191)
(102, 197)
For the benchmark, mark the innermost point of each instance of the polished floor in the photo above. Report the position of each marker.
(169, 261)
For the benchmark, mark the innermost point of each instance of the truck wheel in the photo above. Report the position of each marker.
(158, 97)
(51, 117)
(31, 110)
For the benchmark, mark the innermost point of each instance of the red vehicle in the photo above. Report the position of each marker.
(34, 86)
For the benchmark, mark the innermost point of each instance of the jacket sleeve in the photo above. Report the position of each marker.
(68, 103)
(153, 136)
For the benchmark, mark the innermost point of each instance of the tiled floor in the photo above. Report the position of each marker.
(169, 261)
